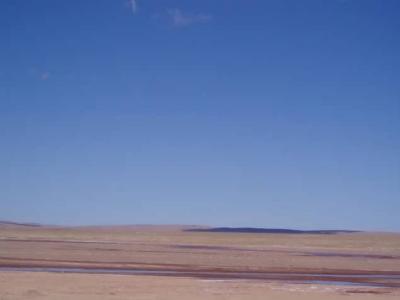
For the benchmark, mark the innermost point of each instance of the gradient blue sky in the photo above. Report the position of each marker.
(272, 113)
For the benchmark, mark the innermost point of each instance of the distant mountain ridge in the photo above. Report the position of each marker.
(9, 223)
(185, 228)
(268, 230)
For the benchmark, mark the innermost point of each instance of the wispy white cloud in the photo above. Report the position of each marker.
(39, 73)
(134, 6)
(44, 75)
(182, 19)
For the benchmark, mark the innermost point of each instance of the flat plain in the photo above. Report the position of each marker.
(168, 262)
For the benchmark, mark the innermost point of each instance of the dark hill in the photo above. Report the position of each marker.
(8, 223)
(268, 230)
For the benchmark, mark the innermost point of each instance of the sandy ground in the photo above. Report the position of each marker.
(168, 248)
(17, 286)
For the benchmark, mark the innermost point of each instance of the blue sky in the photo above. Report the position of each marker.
(270, 113)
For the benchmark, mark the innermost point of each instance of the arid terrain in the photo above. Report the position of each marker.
(168, 262)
